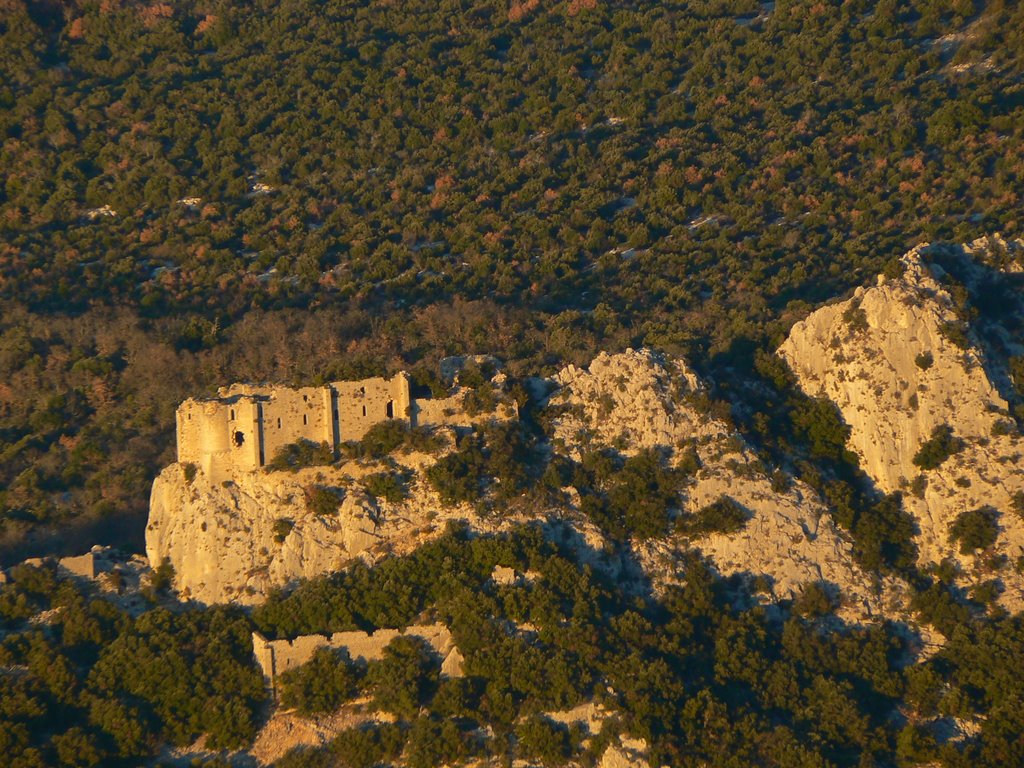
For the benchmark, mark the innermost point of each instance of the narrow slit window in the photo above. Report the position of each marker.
(232, 414)
(305, 419)
(279, 423)
(364, 410)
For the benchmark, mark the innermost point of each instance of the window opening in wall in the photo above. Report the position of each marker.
(364, 410)
(238, 438)
(232, 414)
(305, 419)
(390, 409)
(279, 423)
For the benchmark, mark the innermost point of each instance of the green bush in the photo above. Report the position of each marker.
(299, 455)
(816, 599)
(940, 446)
(855, 317)
(368, 746)
(405, 677)
(955, 332)
(975, 529)
(320, 685)
(924, 360)
(389, 486)
(434, 742)
(460, 476)
(544, 741)
(386, 437)
(282, 527)
(725, 515)
(320, 501)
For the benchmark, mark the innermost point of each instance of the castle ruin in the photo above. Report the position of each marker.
(243, 428)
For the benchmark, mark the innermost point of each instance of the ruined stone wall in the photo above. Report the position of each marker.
(439, 412)
(246, 425)
(290, 415)
(80, 565)
(361, 404)
(278, 656)
(450, 412)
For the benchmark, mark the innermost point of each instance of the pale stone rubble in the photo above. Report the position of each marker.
(895, 376)
(638, 400)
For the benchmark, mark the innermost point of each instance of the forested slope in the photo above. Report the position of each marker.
(536, 180)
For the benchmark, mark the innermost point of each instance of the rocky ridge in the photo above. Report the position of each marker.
(899, 361)
(237, 540)
(640, 400)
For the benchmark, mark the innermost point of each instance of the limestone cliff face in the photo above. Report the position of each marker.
(888, 360)
(640, 400)
(220, 538)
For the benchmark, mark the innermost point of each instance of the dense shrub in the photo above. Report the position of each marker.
(300, 454)
(320, 685)
(405, 678)
(282, 527)
(725, 515)
(320, 501)
(433, 741)
(460, 476)
(975, 529)
(386, 437)
(390, 486)
(936, 449)
(543, 741)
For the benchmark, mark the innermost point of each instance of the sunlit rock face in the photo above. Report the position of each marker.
(638, 399)
(899, 361)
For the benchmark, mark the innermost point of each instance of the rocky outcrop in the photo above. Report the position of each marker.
(899, 361)
(236, 540)
(638, 399)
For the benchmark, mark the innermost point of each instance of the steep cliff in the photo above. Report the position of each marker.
(926, 402)
(236, 540)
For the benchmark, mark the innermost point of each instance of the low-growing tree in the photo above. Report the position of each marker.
(936, 449)
(322, 684)
(975, 529)
(405, 678)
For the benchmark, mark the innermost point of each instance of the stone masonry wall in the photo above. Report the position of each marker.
(278, 656)
(245, 426)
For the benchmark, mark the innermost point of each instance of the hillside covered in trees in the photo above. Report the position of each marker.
(195, 192)
(700, 673)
